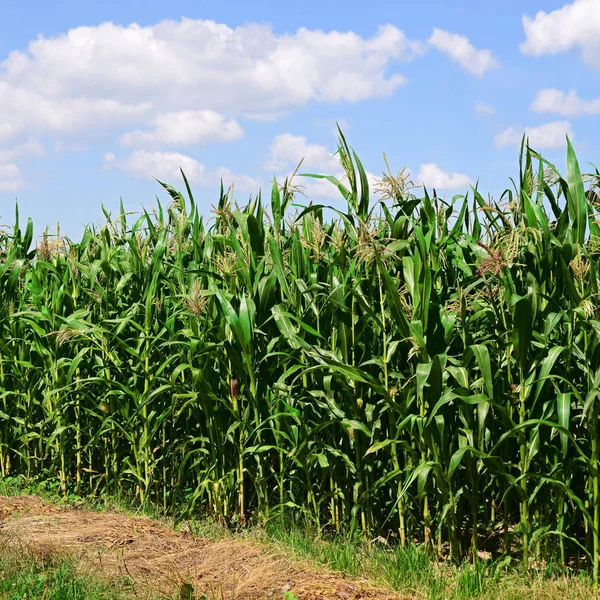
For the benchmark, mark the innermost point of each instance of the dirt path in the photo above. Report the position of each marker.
(159, 559)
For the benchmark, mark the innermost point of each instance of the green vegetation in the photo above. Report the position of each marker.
(29, 575)
(419, 369)
(410, 571)
(26, 576)
(414, 573)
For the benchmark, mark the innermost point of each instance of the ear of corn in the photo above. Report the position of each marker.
(424, 368)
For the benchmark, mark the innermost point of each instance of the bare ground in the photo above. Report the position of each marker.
(159, 560)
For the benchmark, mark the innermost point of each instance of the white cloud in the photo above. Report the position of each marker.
(484, 109)
(460, 49)
(547, 136)
(28, 148)
(185, 128)
(165, 166)
(564, 104)
(7, 131)
(264, 117)
(110, 75)
(431, 176)
(244, 183)
(74, 146)
(161, 165)
(576, 24)
(34, 112)
(287, 150)
(10, 178)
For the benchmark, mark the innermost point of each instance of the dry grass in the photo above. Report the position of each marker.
(160, 560)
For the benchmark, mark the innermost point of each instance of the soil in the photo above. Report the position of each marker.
(160, 560)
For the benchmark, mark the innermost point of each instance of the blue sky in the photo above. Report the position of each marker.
(96, 98)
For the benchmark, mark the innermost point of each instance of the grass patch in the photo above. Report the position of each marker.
(41, 573)
(413, 572)
(410, 571)
(45, 575)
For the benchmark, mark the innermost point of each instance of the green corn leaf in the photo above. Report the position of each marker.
(577, 202)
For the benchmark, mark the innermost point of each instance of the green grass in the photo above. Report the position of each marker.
(26, 576)
(413, 571)
(410, 571)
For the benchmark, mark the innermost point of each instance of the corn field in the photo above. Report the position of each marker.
(423, 369)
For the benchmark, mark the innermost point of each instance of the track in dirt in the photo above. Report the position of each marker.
(160, 560)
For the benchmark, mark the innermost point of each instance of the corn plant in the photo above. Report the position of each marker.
(422, 368)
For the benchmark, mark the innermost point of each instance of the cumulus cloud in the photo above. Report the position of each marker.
(33, 112)
(29, 148)
(565, 104)
(460, 49)
(432, 176)
(186, 82)
(186, 128)
(105, 75)
(575, 25)
(547, 136)
(10, 178)
(484, 109)
(165, 166)
(74, 146)
(264, 117)
(287, 150)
